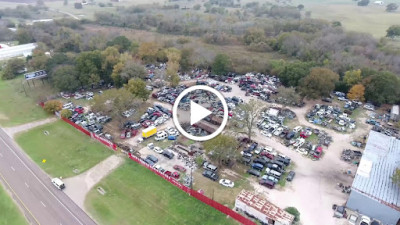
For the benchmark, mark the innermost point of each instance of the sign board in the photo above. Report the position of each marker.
(35, 75)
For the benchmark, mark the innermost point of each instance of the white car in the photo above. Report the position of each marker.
(227, 183)
(158, 150)
(58, 183)
(365, 220)
(297, 129)
(278, 131)
(150, 145)
(342, 99)
(266, 133)
(302, 151)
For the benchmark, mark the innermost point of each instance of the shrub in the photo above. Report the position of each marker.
(66, 113)
(52, 106)
(294, 212)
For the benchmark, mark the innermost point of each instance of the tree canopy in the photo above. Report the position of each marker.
(65, 78)
(382, 88)
(137, 87)
(222, 64)
(222, 149)
(12, 68)
(52, 106)
(246, 115)
(319, 83)
(352, 77)
(356, 92)
(393, 31)
(391, 7)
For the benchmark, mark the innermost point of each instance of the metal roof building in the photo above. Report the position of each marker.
(262, 209)
(15, 51)
(373, 192)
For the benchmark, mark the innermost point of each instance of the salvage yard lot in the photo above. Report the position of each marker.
(15, 107)
(10, 215)
(65, 149)
(135, 195)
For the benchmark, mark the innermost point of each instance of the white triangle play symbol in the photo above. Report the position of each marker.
(197, 112)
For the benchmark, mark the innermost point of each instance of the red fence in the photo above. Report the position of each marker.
(196, 194)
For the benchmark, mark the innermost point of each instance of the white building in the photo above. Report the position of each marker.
(16, 51)
(261, 209)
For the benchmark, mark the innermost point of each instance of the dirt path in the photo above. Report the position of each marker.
(77, 187)
(11, 131)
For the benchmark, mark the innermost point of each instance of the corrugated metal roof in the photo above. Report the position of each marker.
(380, 159)
(270, 210)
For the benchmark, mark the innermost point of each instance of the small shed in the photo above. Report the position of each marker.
(394, 113)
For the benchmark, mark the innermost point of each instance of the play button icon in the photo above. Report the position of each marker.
(199, 113)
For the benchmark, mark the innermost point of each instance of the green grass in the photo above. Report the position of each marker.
(10, 215)
(64, 149)
(135, 195)
(15, 107)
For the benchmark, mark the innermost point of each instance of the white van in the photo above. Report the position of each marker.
(161, 135)
(58, 183)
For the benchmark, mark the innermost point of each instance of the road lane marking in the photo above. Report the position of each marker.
(23, 204)
(43, 204)
(65, 207)
(26, 185)
(13, 169)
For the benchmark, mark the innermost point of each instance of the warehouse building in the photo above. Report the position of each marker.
(261, 209)
(373, 192)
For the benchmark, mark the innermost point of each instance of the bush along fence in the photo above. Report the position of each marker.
(226, 210)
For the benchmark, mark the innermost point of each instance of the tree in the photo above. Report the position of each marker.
(121, 42)
(12, 68)
(288, 96)
(393, 31)
(65, 2)
(116, 75)
(223, 149)
(294, 212)
(78, 5)
(133, 70)
(110, 57)
(52, 106)
(382, 88)
(291, 73)
(23, 36)
(65, 78)
(352, 77)
(137, 87)
(300, 7)
(319, 83)
(356, 92)
(197, 7)
(148, 51)
(222, 64)
(89, 65)
(396, 176)
(248, 114)
(363, 3)
(114, 102)
(391, 7)
(66, 113)
(39, 60)
(185, 62)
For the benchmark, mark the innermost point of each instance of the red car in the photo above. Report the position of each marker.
(79, 110)
(157, 113)
(268, 155)
(123, 135)
(175, 175)
(180, 168)
(303, 134)
(147, 123)
(168, 173)
(318, 153)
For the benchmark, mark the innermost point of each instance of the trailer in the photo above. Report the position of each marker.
(148, 132)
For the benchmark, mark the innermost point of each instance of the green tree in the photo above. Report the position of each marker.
(391, 7)
(222, 64)
(148, 51)
(114, 102)
(254, 35)
(132, 70)
(52, 106)
(137, 87)
(116, 75)
(185, 61)
(23, 36)
(174, 56)
(244, 124)
(38, 60)
(294, 212)
(352, 77)
(382, 88)
(110, 57)
(67, 40)
(12, 68)
(393, 31)
(396, 177)
(89, 64)
(197, 7)
(121, 42)
(222, 149)
(65, 78)
(66, 113)
(291, 73)
(300, 7)
(319, 83)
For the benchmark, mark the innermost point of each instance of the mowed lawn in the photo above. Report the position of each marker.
(65, 149)
(15, 107)
(135, 195)
(10, 215)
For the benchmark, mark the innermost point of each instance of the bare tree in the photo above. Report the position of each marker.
(245, 117)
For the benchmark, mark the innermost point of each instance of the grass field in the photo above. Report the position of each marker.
(15, 107)
(134, 195)
(10, 215)
(65, 149)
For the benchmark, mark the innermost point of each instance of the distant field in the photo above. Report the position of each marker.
(370, 19)
(135, 195)
(65, 149)
(15, 107)
(10, 214)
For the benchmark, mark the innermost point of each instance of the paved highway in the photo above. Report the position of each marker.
(32, 189)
